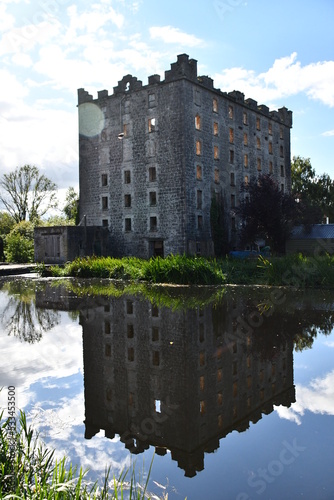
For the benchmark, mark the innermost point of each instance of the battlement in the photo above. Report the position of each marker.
(187, 68)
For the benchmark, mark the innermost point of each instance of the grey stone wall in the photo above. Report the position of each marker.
(125, 136)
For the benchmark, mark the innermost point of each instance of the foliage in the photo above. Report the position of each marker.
(71, 206)
(7, 223)
(267, 213)
(291, 270)
(27, 194)
(28, 470)
(20, 243)
(315, 193)
(58, 220)
(178, 269)
(218, 227)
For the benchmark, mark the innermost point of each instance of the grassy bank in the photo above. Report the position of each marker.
(293, 270)
(28, 470)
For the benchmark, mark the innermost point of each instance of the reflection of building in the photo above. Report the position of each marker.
(152, 157)
(179, 380)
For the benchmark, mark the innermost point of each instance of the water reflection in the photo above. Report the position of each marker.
(182, 380)
(21, 318)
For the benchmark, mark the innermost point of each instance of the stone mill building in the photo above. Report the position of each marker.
(153, 157)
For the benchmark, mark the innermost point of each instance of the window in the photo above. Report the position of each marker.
(233, 226)
(199, 200)
(202, 358)
(270, 128)
(270, 147)
(151, 125)
(245, 160)
(104, 202)
(130, 331)
(199, 172)
(152, 174)
(282, 171)
(259, 167)
(281, 134)
(201, 332)
(127, 176)
(231, 136)
(202, 383)
(198, 148)
(215, 105)
(245, 139)
(125, 130)
(155, 311)
(246, 180)
(258, 143)
(202, 407)
(215, 128)
(107, 350)
(131, 354)
(219, 375)
(198, 122)
(232, 177)
(249, 381)
(157, 405)
(127, 200)
(232, 200)
(235, 389)
(230, 112)
(105, 222)
(155, 333)
(153, 198)
(258, 124)
(151, 100)
(156, 358)
(231, 156)
(153, 224)
(199, 222)
(216, 175)
(127, 224)
(281, 152)
(129, 307)
(216, 152)
(245, 118)
(104, 179)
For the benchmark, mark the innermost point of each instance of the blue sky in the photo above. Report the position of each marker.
(279, 53)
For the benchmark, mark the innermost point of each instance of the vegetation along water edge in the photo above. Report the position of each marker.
(296, 271)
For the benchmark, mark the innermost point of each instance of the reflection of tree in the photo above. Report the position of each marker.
(21, 318)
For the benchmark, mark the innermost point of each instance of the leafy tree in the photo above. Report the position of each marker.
(315, 193)
(26, 193)
(7, 223)
(20, 243)
(71, 207)
(266, 213)
(218, 227)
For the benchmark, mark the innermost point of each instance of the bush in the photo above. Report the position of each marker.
(20, 243)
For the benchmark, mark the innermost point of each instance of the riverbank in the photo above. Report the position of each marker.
(293, 270)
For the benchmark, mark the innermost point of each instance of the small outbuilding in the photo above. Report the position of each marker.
(59, 244)
(314, 240)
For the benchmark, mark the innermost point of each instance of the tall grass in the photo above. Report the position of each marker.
(293, 270)
(29, 470)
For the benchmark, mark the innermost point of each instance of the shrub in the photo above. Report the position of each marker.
(20, 243)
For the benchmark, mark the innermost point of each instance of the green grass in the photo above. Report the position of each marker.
(294, 270)
(29, 470)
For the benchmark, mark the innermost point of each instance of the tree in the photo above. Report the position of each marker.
(7, 223)
(26, 193)
(266, 213)
(20, 243)
(71, 207)
(315, 193)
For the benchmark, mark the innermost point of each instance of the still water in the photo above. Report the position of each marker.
(230, 392)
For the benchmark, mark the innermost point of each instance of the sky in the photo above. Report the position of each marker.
(278, 53)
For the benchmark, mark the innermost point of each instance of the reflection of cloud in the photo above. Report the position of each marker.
(23, 364)
(318, 397)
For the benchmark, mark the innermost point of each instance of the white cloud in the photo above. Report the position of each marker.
(7, 21)
(169, 34)
(27, 37)
(318, 397)
(329, 133)
(285, 78)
